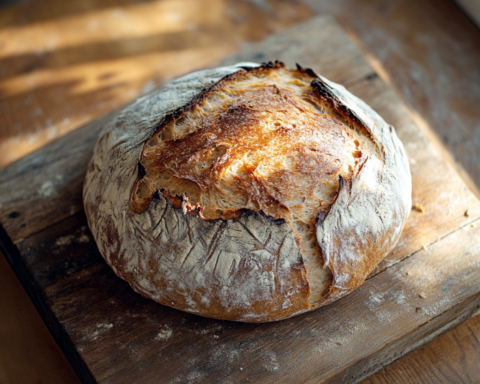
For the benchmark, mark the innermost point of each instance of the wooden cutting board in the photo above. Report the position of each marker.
(430, 282)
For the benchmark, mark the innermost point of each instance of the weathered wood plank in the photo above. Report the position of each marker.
(45, 187)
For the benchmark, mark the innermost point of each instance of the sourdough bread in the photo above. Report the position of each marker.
(250, 193)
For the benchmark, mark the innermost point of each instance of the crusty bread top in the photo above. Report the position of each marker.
(264, 140)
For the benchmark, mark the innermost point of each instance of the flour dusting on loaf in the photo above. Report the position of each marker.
(250, 193)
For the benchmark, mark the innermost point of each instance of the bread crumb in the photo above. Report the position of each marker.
(423, 295)
(408, 273)
(418, 309)
(419, 208)
(467, 212)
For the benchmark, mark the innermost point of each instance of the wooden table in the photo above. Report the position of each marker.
(72, 64)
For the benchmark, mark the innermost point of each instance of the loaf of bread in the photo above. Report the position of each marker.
(249, 193)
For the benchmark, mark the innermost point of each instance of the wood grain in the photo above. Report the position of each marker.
(386, 29)
(121, 336)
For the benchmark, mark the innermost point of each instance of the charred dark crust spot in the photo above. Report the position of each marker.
(250, 212)
(326, 95)
(324, 92)
(306, 71)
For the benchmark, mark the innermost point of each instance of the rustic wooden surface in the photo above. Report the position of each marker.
(112, 327)
(386, 29)
(426, 17)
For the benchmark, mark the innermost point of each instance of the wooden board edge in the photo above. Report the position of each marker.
(445, 321)
(36, 295)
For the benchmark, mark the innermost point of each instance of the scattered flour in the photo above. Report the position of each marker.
(101, 328)
(192, 377)
(212, 329)
(164, 334)
(46, 189)
(83, 239)
(104, 325)
(68, 239)
(375, 300)
(270, 361)
(64, 240)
